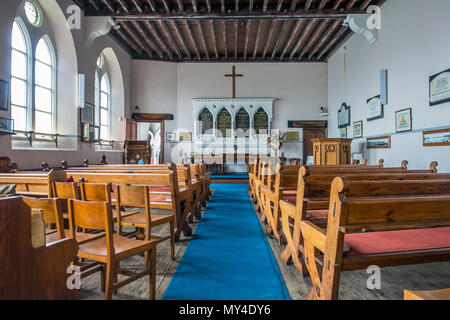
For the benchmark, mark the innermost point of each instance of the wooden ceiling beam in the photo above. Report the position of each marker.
(269, 36)
(350, 4)
(138, 5)
(322, 4)
(265, 4)
(203, 39)
(222, 6)
(325, 38)
(339, 43)
(124, 6)
(242, 15)
(194, 43)
(258, 36)
(291, 38)
(213, 32)
(301, 39)
(236, 5)
(152, 5)
(314, 38)
(279, 5)
(250, 5)
(331, 42)
(280, 36)
(293, 5)
(247, 34)
(169, 35)
(308, 5)
(365, 4)
(132, 38)
(109, 6)
(180, 6)
(182, 40)
(337, 3)
(225, 42)
(140, 26)
(159, 38)
(208, 5)
(166, 6)
(194, 5)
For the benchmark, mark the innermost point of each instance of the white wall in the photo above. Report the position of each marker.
(82, 59)
(414, 44)
(160, 87)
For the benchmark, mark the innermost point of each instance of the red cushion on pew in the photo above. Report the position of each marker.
(70, 179)
(318, 214)
(395, 241)
(291, 199)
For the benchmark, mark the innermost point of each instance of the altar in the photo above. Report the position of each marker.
(234, 128)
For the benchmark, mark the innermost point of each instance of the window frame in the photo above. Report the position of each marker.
(29, 72)
(53, 89)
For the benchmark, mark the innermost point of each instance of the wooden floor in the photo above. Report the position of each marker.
(353, 284)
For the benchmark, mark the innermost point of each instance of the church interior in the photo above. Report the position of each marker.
(224, 150)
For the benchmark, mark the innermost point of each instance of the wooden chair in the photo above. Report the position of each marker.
(66, 190)
(99, 192)
(139, 197)
(52, 216)
(112, 248)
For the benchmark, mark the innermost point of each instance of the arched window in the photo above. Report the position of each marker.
(44, 87)
(242, 121)
(206, 120)
(20, 75)
(224, 123)
(105, 101)
(261, 122)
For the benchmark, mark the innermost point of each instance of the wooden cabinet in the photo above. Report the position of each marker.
(332, 151)
(130, 130)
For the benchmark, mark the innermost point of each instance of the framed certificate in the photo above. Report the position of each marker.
(440, 88)
(375, 109)
(344, 116)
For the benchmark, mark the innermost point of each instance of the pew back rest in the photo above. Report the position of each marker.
(89, 215)
(357, 206)
(66, 190)
(100, 192)
(132, 196)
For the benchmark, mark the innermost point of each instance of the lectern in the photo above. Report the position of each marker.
(332, 151)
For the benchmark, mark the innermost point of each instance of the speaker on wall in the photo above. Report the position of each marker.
(81, 88)
(384, 86)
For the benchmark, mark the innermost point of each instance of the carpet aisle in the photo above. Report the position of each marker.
(228, 257)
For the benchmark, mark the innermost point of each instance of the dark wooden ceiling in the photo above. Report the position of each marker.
(229, 30)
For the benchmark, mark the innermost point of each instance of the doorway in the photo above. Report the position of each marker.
(309, 134)
(153, 132)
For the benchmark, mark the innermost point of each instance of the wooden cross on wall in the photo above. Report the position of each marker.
(234, 76)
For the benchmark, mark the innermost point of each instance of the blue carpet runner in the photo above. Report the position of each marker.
(228, 257)
(230, 176)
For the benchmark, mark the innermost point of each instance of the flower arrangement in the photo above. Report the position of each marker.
(277, 140)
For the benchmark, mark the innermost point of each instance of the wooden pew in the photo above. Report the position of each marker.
(33, 183)
(183, 173)
(311, 201)
(369, 215)
(162, 185)
(443, 294)
(27, 272)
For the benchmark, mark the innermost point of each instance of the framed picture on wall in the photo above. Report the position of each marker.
(375, 109)
(379, 143)
(358, 129)
(4, 95)
(85, 132)
(343, 132)
(170, 137)
(292, 136)
(344, 116)
(185, 136)
(436, 138)
(87, 114)
(6, 126)
(403, 120)
(440, 88)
